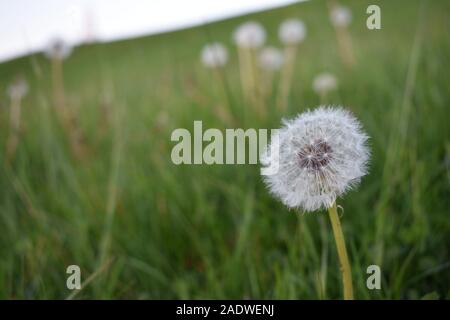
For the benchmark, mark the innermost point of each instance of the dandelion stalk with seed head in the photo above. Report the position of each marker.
(287, 73)
(340, 18)
(57, 52)
(214, 56)
(16, 92)
(320, 155)
(291, 33)
(249, 37)
(271, 59)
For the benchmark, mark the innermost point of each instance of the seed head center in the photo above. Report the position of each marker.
(316, 155)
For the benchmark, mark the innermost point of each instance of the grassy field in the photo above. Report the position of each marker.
(141, 227)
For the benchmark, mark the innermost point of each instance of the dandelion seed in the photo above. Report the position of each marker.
(292, 31)
(214, 55)
(271, 58)
(250, 35)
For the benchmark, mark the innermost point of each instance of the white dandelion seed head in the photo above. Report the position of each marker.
(214, 55)
(292, 31)
(341, 16)
(271, 58)
(324, 82)
(18, 89)
(250, 35)
(58, 49)
(321, 154)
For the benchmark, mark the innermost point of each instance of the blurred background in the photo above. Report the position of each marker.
(28, 26)
(90, 92)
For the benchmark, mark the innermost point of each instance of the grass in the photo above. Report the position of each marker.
(142, 227)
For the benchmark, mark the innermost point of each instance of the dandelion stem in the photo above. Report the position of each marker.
(58, 87)
(244, 72)
(14, 135)
(67, 117)
(290, 54)
(342, 252)
(345, 46)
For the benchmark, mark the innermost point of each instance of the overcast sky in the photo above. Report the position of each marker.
(29, 25)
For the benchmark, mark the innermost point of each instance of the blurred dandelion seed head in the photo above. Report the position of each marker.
(18, 88)
(58, 49)
(321, 154)
(271, 58)
(324, 82)
(292, 31)
(250, 35)
(214, 55)
(341, 16)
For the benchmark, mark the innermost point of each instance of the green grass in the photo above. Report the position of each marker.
(149, 229)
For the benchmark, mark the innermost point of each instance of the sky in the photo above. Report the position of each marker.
(30, 25)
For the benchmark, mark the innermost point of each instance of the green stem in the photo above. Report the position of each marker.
(342, 252)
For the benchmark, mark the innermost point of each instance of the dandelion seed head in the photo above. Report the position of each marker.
(250, 35)
(58, 49)
(321, 155)
(214, 55)
(292, 31)
(18, 88)
(324, 82)
(341, 16)
(271, 58)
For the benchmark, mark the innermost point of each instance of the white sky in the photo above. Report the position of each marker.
(29, 25)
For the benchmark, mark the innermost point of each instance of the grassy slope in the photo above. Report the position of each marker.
(213, 231)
